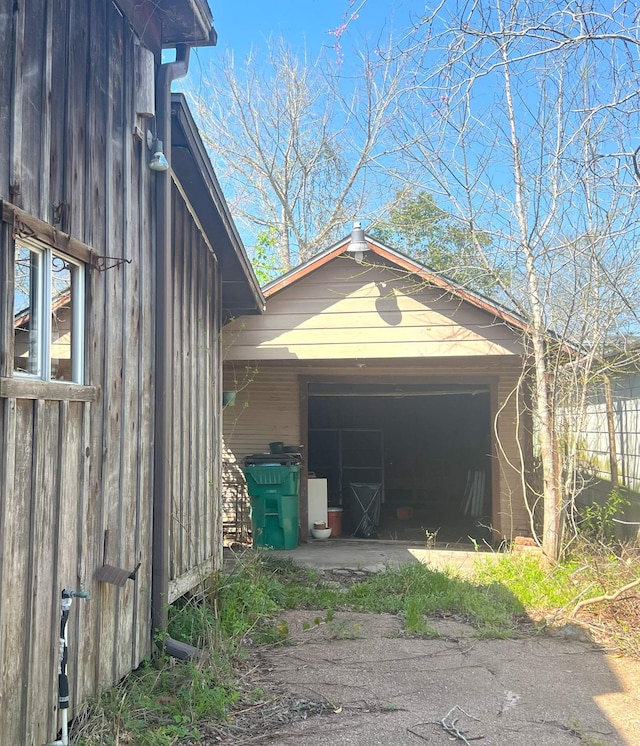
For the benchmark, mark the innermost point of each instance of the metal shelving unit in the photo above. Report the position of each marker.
(343, 455)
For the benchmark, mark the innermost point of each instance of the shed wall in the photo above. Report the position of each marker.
(75, 476)
(195, 532)
(76, 461)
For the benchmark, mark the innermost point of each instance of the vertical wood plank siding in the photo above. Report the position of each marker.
(196, 544)
(75, 477)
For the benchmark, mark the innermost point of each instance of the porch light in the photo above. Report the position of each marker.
(357, 246)
(158, 161)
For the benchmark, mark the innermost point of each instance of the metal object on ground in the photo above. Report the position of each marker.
(363, 507)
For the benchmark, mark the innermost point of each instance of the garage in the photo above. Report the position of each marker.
(406, 392)
(426, 449)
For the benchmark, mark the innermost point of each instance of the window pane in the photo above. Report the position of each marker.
(26, 311)
(62, 299)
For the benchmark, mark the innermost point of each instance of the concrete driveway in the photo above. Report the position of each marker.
(379, 687)
(384, 689)
(374, 555)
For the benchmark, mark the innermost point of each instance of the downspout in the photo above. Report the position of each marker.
(163, 359)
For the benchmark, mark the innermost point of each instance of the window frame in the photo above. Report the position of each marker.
(19, 228)
(45, 309)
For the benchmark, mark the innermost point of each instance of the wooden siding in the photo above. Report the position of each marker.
(195, 531)
(75, 476)
(345, 310)
(268, 408)
(76, 461)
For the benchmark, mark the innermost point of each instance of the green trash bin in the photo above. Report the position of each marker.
(273, 490)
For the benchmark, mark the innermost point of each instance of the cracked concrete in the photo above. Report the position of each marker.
(373, 556)
(388, 689)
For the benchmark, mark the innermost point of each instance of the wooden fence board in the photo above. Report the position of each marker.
(87, 561)
(58, 102)
(13, 535)
(79, 105)
(69, 469)
(130, 393)
(146, 306)
(17, 99)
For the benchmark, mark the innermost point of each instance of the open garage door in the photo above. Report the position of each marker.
(428, 447)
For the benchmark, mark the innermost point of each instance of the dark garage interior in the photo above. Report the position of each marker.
(421, 452)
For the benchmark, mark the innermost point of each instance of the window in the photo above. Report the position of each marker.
(48, 313)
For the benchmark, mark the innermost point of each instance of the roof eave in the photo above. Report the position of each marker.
(241, 294)
(167, 23)
(187, 22)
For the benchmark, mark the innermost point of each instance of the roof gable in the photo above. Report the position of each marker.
(337, 308)
(406, 265)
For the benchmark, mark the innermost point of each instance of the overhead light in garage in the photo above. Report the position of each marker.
(357, 246)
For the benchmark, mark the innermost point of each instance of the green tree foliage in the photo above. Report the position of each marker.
(265, 257)
(423, 230)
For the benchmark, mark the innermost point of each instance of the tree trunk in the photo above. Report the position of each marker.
(611, 428)
(543, 404)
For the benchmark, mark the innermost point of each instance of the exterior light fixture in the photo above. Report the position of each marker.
(357, 245)
(158, 162)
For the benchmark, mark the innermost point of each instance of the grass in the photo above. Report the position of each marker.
(535, 585)
(166, 703)
(413, 591)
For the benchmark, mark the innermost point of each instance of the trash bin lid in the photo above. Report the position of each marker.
(272, 459)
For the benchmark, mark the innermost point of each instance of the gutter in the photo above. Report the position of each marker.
(163, 360)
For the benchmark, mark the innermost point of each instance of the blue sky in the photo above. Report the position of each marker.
(247, 24)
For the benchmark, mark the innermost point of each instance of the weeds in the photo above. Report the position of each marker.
(591, 572)
(598, 521)
(168, 702)
(155, 706)
(414, 591)
(535, 585)
(165, 702)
